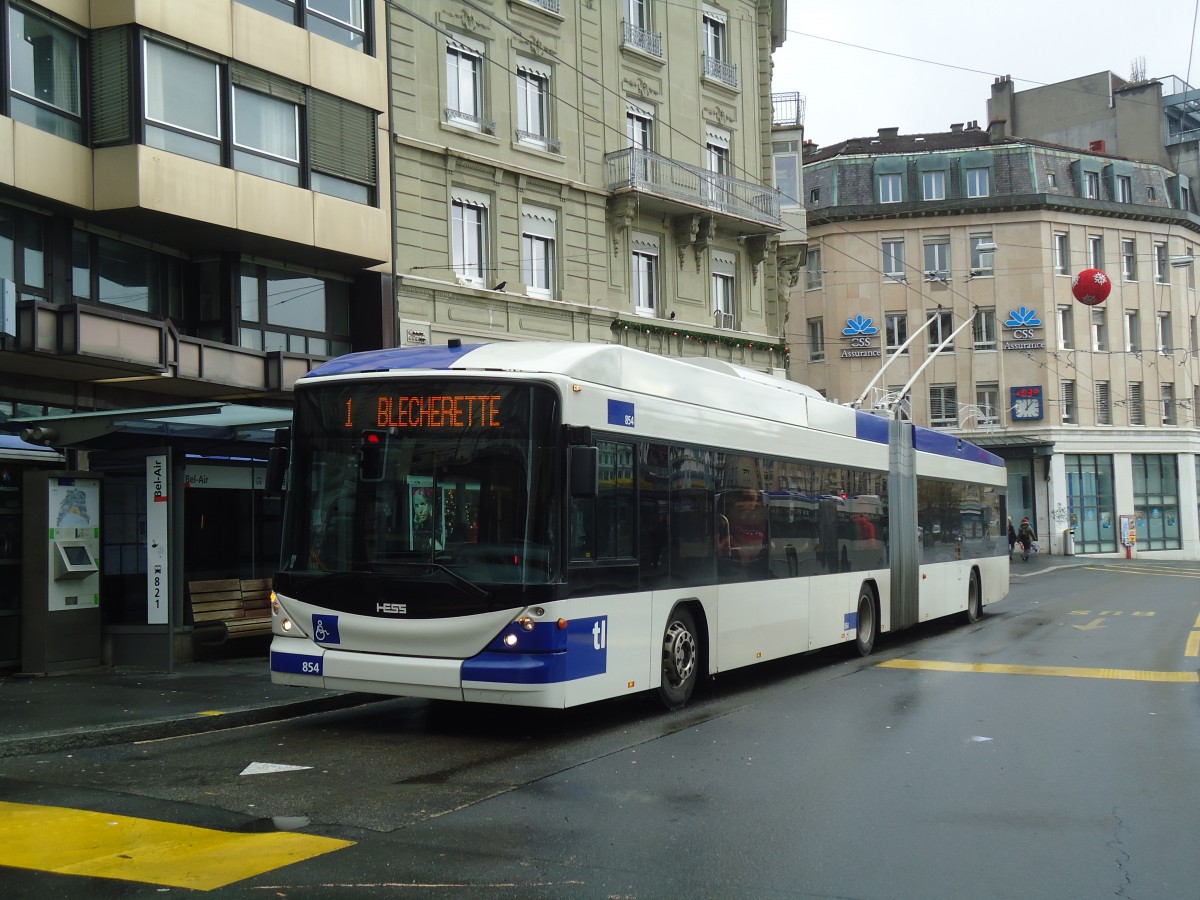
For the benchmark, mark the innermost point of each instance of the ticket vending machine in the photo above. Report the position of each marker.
(60, 603)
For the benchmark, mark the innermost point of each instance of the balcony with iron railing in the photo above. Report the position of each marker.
(651, 175)
(720, 70)
(787, 110)
(643, 39)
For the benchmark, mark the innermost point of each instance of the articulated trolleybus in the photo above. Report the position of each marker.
(549, 524)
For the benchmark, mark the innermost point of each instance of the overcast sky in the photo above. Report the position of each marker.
(920, 65)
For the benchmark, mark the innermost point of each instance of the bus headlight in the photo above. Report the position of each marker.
(510, 640)
(286, 624)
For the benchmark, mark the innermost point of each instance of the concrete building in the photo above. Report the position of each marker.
(201, 200)
(192, 212)
(980, 234)
(594, 173)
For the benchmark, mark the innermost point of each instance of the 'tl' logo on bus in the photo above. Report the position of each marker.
(600, 634)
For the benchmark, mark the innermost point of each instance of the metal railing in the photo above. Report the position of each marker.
(550, 5)
(787, 109)
(487, 126)
(641, 39)
(643, 170)
(549, 144)
(724, 72)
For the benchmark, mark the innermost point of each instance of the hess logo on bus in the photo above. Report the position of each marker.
(394, 609)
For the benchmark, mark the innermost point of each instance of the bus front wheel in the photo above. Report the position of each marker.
(680, 659)
(868, 622)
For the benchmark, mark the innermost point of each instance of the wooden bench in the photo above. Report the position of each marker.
(241, 605)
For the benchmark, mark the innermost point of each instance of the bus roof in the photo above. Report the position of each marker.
(629, 369)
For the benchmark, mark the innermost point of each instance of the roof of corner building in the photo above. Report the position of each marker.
(875, 145)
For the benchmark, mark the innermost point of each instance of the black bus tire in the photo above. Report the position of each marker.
(974, 599)
(680, 659)
(868, 621)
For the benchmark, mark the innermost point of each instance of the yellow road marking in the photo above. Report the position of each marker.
(1061, 671)
(1197, 625)
(1128, 570)
(1193, 644)
(78, 842)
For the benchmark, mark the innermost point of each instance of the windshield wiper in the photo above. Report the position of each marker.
(469, 587)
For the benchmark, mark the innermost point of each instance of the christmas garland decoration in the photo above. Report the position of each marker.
(703, 338)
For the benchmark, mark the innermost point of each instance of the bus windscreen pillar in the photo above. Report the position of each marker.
(60, 606)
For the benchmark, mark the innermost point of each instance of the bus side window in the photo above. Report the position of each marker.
(583, 528)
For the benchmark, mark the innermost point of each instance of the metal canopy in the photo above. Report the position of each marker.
(202, 421)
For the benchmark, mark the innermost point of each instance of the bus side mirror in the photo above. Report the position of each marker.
(584, 465)
(277, 462)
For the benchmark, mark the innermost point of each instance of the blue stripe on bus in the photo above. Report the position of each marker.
(393, 358)
(586, 654)
(870, 428)
(929, 440)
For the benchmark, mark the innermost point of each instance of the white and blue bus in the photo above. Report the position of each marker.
(549, 524)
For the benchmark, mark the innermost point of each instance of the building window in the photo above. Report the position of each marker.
(639, 126)
(293, 312)
(1095, 251)
(23, 253)
(979, 182)
(1124, 189)
(890, 188)
(943, 406)
(1099, 331)
(1167, 395)
(716, 154)
(895, 326)
(787, 179)
(893, 258)
(464, 85)
(1156, 501)
(43, 69)
(1091, 185)
(266, 135)
(1052, 180)
(1137, 413)
(985, 329)
(814, 196)
(942, 328)
(1068, 403)
(182, 103)
(1165, 344)
(639, 24)
(1133, 339)
(937, 258)
(724, 289)
(533, 106)
(1193, 335)
(987, 399)
(983, 255)
(812, 269)
(1129, 259)
(644, 274)
(1160, 262)
(468, 237)
(933, 185)
(120, 274)
(343, 21)
(816, 339)
(538, 234)
(1091, 502)
(1103, 404)
(1066, 326)
(1185, 199)
(1062, 254)
(716, 59)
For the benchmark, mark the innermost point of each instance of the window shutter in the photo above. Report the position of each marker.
(1103, 416)
(112, 92)
(341, 138)
(1136, 415)
(267, 83)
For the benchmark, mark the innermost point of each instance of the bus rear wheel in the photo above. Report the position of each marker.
(680, 659)
(974, 600)
(868, 622)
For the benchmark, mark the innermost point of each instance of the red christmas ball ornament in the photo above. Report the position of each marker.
(1091, 287)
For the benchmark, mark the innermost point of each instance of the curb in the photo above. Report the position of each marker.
(81, 739)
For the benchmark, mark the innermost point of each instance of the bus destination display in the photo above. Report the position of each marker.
(439, 412)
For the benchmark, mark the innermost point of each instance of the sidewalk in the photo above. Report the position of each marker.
(45, 714)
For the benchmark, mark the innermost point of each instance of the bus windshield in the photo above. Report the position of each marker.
(404, 478)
